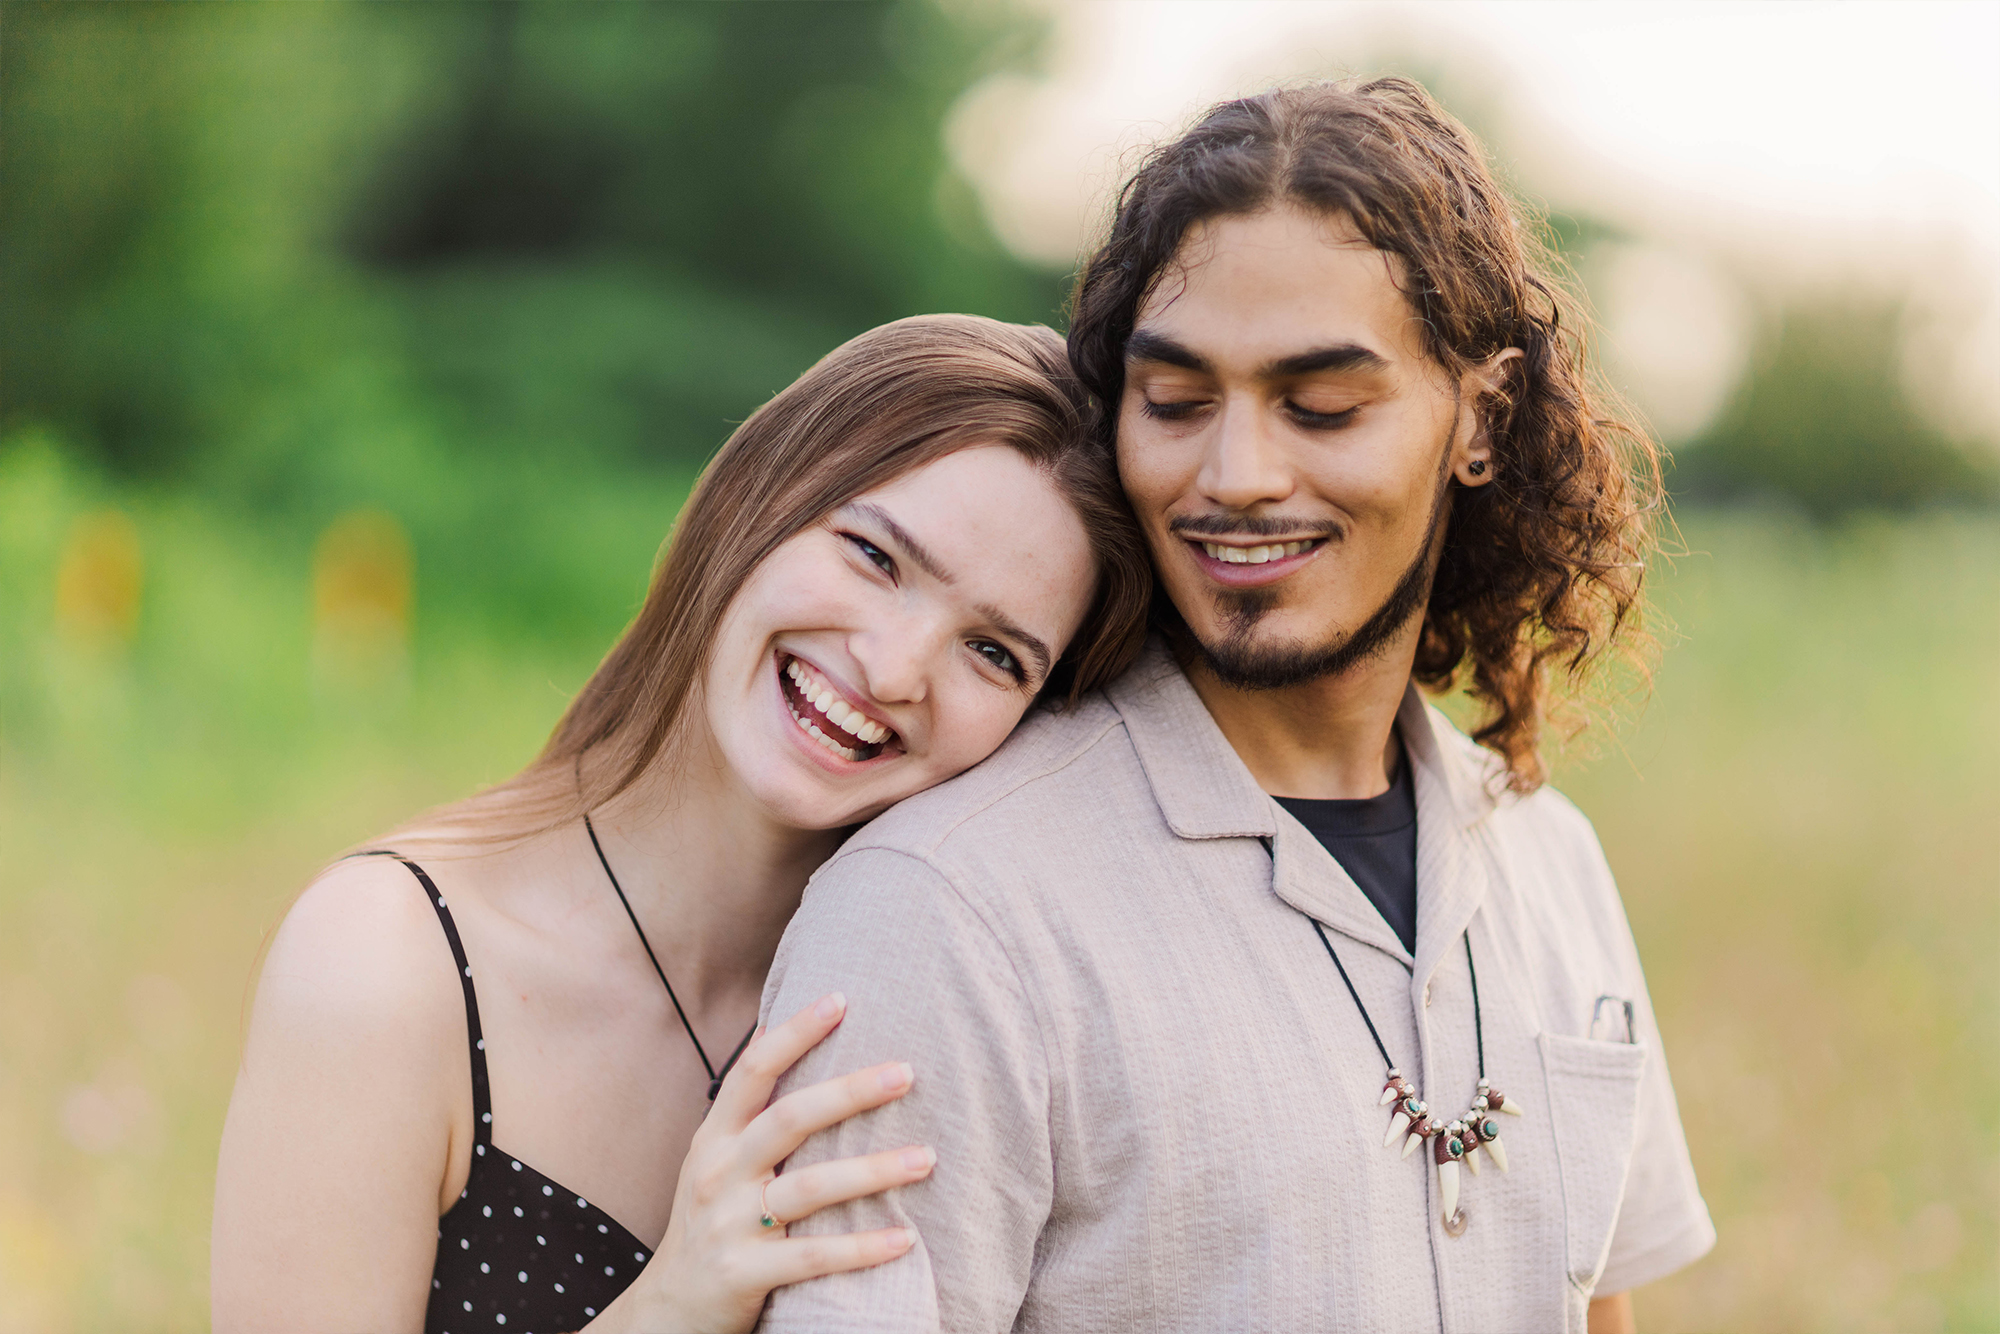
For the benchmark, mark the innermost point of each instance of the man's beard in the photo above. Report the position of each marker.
(1241, 664)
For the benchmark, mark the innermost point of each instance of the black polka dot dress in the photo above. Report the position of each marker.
(518, 1251)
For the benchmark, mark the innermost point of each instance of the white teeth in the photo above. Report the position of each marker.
(833, 745)
(1259, 555)
(821, 696)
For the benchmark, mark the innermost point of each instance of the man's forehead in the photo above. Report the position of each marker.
(1261, 288)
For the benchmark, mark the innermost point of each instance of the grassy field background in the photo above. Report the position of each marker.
(1801, 818)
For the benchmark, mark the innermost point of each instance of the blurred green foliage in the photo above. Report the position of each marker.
(1824, 419)
(302, 257)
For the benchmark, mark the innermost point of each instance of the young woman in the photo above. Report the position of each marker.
(477, 1087)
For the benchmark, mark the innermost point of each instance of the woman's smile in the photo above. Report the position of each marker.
(829, 715)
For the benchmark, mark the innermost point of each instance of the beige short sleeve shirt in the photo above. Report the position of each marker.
(1154, 1103)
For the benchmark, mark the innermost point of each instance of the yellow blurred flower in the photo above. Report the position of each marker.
(99, 580)
(361, 598)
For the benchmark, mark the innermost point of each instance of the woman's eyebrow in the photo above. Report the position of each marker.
(915, 550)
(929, 564)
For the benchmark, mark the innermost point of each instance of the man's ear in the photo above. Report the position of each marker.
(1472, 454)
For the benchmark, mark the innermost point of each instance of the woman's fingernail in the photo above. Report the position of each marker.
(829, 1006)
(919, 1160)
(901, 1238)
(897, 1076)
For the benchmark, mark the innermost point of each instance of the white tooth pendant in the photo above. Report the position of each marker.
(1448, 1149)
(1395, 1088)
(1471, 1159)
(1419, 1132)
(1409, 1112)
(1497, 1101)
(1489, 1140)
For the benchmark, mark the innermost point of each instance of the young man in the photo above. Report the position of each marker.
(1172, 964)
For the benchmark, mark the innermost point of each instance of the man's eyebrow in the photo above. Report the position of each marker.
(1339, 357)
(1006, 625)
(1147, 346)
(901, 536)
(1144, 345)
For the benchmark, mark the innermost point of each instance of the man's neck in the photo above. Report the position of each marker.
(1333, 738)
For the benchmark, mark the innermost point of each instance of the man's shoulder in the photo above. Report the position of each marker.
(1545, 808)
(1544, 821)
(1058, 762)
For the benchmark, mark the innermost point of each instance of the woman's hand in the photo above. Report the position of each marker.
(718, 1262)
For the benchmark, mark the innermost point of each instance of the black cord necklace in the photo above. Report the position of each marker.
(1452, 1142)
(715, 1076)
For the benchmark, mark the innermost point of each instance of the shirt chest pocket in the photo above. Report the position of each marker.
(1593, 1110)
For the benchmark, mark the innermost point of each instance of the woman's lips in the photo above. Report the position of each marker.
(825, 714)
(1247, 565)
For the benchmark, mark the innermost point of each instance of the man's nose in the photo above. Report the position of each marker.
(1245, 465)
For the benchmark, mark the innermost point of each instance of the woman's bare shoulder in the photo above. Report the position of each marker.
(361, 957)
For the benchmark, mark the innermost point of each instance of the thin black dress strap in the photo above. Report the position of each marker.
(482, 1093)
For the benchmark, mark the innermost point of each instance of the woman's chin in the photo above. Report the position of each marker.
(815, 813)
(803, 796)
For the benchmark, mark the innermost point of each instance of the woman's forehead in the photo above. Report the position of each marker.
(985, 522)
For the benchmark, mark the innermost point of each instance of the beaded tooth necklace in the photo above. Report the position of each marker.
(1452, 1142)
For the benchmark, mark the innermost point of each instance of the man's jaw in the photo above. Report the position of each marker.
(1246, 652)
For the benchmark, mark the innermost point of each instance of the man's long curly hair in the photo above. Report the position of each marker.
(1542, 567)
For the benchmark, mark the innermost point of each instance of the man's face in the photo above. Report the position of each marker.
(1287, 443)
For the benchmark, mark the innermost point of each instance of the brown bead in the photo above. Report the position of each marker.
(1495, 1100)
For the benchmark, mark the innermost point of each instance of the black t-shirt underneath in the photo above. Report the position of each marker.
(1375, 842)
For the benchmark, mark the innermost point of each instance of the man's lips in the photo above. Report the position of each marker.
(1249, 565)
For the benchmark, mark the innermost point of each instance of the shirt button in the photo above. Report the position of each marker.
(1427, 995)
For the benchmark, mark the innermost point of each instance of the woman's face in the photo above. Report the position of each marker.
(898, 641)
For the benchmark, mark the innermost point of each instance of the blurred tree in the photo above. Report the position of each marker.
(314, 253)
(1823, 419)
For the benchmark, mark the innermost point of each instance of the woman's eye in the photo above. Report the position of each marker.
(999, 657)
(873, 553)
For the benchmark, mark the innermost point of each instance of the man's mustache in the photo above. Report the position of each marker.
(1244, 525)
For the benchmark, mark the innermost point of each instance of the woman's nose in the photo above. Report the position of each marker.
(897, 659)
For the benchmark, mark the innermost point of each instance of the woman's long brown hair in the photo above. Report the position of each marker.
(877, 407)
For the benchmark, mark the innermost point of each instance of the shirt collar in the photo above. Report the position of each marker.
(1203, 788)
(1205, 791)
(1199, 781)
